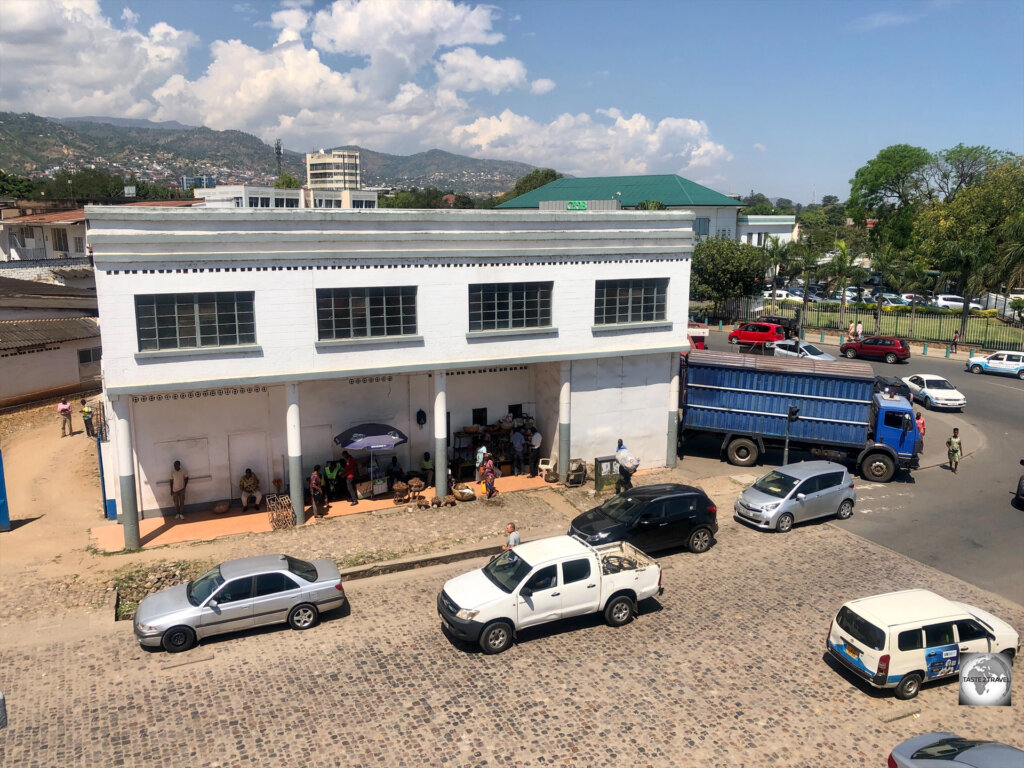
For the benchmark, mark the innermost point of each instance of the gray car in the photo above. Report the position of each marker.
(797, 348)
(236, 595)
(795, 493)
(947, 750)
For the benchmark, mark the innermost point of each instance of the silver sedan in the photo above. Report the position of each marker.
(797, 348)
(236, 595)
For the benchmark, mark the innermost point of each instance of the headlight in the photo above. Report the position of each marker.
(465, 614)
(770, 507)
(147, 628)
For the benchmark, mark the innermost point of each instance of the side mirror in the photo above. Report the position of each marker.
(212, 604)
(525, 592)
(801, 496)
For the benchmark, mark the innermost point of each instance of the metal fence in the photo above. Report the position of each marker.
(934, 327)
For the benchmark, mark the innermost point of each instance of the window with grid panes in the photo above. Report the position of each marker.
(189, 320)
(356, 313)
(60, 239)
(505, 306)
(630, 301)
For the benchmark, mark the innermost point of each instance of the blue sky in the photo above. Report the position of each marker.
(786, 98)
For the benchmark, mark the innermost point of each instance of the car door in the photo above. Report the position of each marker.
(680, 519)
(542, 600)
(830, 491)
(996, 362)
(971, 637)
(276, 593)
(785, 349)
(581, 589)
(807, 507)
(648, 528)
(941, 653)
(1014, 363)
(228, 609)
(915, 384)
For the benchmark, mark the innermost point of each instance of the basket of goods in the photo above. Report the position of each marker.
(463, 492)
(472, 429)
(221, 507)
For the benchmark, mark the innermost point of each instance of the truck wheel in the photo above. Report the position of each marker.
(878, 468)
(891, 358)
(975, 369)
(742, 452)
(619, 611)
(851, 353)
(699, 541)
(496, 637)
(908, 686)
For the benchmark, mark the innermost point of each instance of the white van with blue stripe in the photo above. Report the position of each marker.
(901, 639)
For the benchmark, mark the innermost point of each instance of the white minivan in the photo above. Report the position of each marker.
(901, 639)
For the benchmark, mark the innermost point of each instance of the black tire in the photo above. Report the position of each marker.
(878, 468)
(1020, 491)
(1020, 374)
(784, 523)
(303, 616)
(851, 353)
(976, 369)
(845, 510)
(890, 357)
(496, 637)
(742, 452)
(1010, 653)
(909, 686)
(699, 541)
(619, 611)
(178, 639)
(734, 339)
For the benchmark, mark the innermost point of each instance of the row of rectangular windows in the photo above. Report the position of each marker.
(227, 318)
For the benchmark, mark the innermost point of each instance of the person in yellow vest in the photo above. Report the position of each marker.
(87, 418)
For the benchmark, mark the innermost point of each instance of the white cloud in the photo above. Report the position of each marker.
(70, 59)
(760, 147)
(129, 17)
(542, 85)
(466, 70)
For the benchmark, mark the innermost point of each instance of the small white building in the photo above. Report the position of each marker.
(249, 196)
(755, 230)
(53, 235)
(236, 339)
(46, 357)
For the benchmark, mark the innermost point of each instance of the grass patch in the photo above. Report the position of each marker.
(134, 582)
(368, 557)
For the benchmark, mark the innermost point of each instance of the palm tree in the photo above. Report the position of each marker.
(970, 265)
(1011, 263)
(803, 263)
(841, 270)
(901, 272)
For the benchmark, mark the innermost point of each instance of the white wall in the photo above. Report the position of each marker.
(34, 375)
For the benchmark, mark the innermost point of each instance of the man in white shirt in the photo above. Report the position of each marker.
(535, 442)
(179, 480)
(513, 536)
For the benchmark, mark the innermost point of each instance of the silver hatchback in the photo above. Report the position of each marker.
(236, 595)
(795, 493)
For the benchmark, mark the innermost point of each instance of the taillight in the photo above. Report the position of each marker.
(891, 763)
(340, 587)
(851, 485)
(713, 510)
(883, 666)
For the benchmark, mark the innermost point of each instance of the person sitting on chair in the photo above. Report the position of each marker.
(249, 489)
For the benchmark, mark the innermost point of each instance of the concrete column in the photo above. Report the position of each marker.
(564, 419)
(673, 409)
(293, 436)
(440, 431)
(126, 472)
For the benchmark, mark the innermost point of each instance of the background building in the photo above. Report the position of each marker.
(334, 170)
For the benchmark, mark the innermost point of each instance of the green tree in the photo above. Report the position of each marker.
(953, 169)
(841, 270)
(890, 186)
(287, 181)
(1017, 305)
(724, 269)
(651, 205)
(828, 200)
(804, 263)
(16, 186)
(534, 179)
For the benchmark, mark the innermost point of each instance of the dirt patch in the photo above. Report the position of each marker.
(134, 582)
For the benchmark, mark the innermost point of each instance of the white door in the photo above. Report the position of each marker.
(544, 603)
(581, 587)
(249, 450)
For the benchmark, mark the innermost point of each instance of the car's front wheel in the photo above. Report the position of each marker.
(303, 616)
(976, 369)
(785, 523)
(178, 639)
(496, 637)
(734, 340)
(850, 353)
(619, 611)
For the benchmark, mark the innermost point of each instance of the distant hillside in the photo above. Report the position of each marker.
(38, 146)
(127, 122)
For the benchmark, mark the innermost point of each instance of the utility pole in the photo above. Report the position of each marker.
(279, 153)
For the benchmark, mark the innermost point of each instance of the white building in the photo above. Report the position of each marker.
(53, 235)
(755, 230)
(249, 196)
(310, 322)
(333, 171)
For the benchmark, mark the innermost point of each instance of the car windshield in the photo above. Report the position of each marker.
(507, 570)
(860, 629)
(197, 591)
(810, 349)
(937, 384)
(776, 484)
(301, 568)
(620, 508)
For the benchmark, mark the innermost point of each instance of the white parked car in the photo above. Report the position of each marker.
(797, 348)
(952, 301)
(780, 295)
(934, 391)
(546, 580)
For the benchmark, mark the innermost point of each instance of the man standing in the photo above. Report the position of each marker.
(249, 487)
(954, 450)
(535, 442)
(518, 446)
(350, 477)
(87, 419)
(316, 493)
(627, 466)
(64, 409)
(513, 536)
(179, 481)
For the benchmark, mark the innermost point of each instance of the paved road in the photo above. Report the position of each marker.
(963, 524)
(725, 669)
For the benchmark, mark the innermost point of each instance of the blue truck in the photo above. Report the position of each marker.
(745, 400)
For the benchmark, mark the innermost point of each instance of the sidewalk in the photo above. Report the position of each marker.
(206, 526)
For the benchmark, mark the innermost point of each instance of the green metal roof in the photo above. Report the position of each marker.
(672, 190)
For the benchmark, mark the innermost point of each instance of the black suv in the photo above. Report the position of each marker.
(790, 325)
(652, 517)
(894, 385)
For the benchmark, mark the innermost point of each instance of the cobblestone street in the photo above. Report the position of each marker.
(725, 669)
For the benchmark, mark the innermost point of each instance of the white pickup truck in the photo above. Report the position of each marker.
(545, 580)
